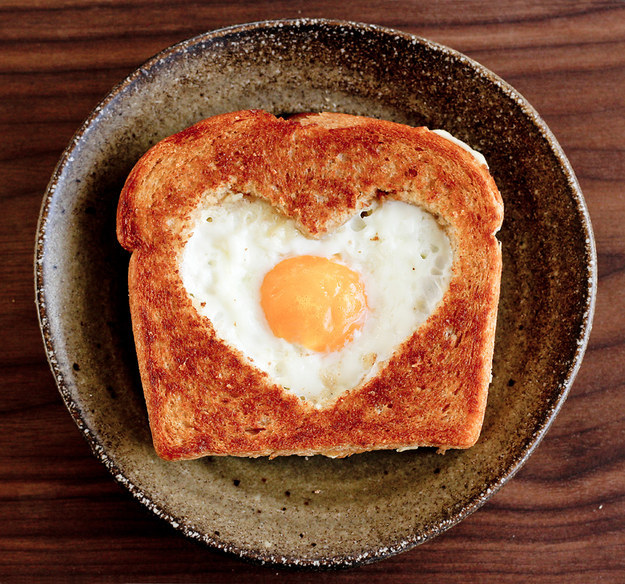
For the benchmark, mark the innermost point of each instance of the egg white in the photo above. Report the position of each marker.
(403, 256)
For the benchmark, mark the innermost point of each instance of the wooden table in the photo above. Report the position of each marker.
(63, 517)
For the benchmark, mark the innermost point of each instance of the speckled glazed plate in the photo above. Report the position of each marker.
(315, 511)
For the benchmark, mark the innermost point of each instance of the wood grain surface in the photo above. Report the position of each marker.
(63, 517)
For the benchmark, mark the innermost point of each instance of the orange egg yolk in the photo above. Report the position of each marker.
(314, 302)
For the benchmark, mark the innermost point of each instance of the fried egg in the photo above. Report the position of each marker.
(318, 316)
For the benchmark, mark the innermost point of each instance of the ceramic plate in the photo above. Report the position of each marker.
(315, 511)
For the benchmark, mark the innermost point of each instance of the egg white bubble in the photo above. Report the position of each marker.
(403, 257)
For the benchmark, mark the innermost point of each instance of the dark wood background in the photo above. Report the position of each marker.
(63, 517)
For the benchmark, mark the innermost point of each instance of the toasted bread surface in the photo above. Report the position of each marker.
(204, 397)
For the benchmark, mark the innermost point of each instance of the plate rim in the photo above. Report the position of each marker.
(382, 552)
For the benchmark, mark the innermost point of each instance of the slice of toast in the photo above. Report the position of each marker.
(203, 396)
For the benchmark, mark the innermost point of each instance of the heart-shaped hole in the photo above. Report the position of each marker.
(398, 251)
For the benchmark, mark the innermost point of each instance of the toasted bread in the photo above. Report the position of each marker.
(203, 397)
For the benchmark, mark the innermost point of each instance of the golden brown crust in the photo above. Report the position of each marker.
(202, 396)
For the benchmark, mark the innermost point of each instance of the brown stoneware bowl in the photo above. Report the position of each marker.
(315, 511)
